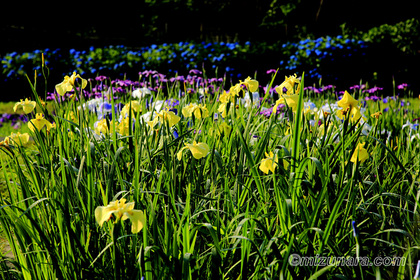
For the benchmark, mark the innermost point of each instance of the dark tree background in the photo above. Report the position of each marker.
(25, 27)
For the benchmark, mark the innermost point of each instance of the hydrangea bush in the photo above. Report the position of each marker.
(317, 56)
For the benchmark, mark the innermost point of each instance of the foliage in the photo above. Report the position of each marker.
(271, 186)
(404, 35)
(320, 57)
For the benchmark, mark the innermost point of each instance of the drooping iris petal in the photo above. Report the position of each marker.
(292, 101)
(188, 110)
(278, 102)
(347, 101)
(68, 83)
(169, 116)
(251, 84)
(201, 111)
(269, 163)
(103, 213)
(179, 154)
(137, 219)
(223, 109)
(64, 86)
(198, 150)
(360, 153)
(124, 126)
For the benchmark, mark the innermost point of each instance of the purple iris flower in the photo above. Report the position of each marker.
(356, 87)
(195, 72)
(100, 78)
(148, 72)
(373, 90)
(326, 88)
(105, 109)
(172, 102)
(23, 118)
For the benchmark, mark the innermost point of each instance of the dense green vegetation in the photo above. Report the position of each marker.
(224, 185)
(280, 141)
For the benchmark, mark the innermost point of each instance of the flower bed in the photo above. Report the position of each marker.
(209, 178)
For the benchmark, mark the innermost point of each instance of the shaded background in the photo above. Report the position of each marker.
(80, 25)
(25, 27)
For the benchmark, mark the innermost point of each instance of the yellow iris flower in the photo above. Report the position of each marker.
(288, 97)
(121, 211)
(16, 139)
(290, 100)
(68, 83)
(188, 110)
(153, 122)
(347, 101)
(234, 90)
(124, 127)
(376, 115)
(360, 153)
(289, 84)
(198, 150)
(225, 97)
(269, 163)
(168, 116)
(353, 113)
(199, 111)
(223, 109)
(27, 106)
(135, 107)
(102, 127)
(38, 123)
(251, 84)
(224, 128)
(350, 109)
